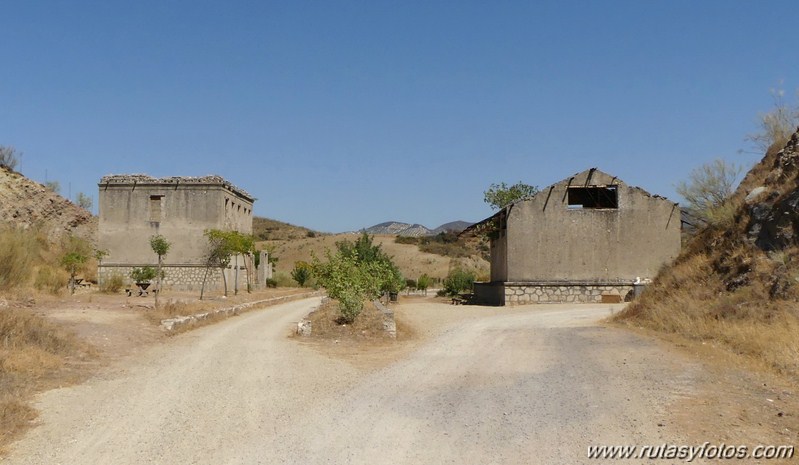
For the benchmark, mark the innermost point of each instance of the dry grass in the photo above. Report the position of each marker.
(18, 251)
(33, 355)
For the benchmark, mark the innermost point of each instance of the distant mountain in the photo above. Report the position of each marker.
(400, 229)
(454, 226)
(414, 230)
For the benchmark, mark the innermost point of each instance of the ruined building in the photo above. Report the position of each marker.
(587, 238)
(132, 208)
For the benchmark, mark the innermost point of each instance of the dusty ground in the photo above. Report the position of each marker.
(535, 384)
(118, 326)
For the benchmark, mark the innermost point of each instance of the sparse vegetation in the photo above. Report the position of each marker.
(84, 201)
(447, 244)
(266, 229)
(112, 284)
(9, 157)
(708, 190)
(777, 125)
(53, 186)
(33, 349)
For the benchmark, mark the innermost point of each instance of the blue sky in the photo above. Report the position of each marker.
(340, 115)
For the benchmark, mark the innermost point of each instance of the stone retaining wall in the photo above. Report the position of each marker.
(177, 277)
(529, 293)
(520, 293)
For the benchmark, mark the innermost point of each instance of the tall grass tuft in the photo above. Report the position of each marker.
(18, 251)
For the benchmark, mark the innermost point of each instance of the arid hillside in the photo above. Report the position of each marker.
(411, 262)
(28, 204)
(736, 283)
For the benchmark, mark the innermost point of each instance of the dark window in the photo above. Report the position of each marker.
(155, 208)
(593, 197)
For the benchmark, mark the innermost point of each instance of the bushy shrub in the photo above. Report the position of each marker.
(423, 283)
(50, 279)
(357, 271)
(144, 274)
(113, 284)
(458, 280)
(301, 273)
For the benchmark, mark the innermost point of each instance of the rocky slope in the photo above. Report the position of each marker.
(736, 283)
(27, 204)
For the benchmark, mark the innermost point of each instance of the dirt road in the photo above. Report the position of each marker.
(535, 385)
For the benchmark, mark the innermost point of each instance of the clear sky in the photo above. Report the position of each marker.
(338, 115)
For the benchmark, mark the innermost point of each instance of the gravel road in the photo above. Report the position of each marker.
(515, 387)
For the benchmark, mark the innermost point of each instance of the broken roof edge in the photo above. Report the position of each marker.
(589, 172)
(144, 179)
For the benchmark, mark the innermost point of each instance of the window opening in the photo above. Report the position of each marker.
(593, 197)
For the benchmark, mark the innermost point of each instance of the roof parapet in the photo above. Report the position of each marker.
(144, 179)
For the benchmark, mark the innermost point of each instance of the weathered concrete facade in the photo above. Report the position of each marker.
(590, 233)
(135, 207)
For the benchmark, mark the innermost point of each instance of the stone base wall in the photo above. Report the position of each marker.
(532, 293)
(177, 277)
(521, 293)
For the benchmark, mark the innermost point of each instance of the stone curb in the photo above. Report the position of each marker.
(171, 324)
(389, 323)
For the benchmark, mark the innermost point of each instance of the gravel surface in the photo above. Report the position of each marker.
(514, 387)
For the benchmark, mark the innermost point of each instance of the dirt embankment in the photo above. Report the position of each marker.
(27, 204)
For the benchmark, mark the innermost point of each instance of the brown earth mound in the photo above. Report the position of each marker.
(27, 204)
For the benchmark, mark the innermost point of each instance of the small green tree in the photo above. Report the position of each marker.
(160, 246)
(423, 283)
(344, 281)
(75, 257)
(501, 195)
(708, 189)
(301, 273)
(73, 262)
(220, 252)
(9, 157)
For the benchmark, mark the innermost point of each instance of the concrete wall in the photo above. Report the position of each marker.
(546, 240)
(132, 208)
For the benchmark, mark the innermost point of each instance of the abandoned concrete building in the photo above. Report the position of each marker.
(132, 208)
(587, 238)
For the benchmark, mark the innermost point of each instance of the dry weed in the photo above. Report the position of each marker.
(31, 350)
